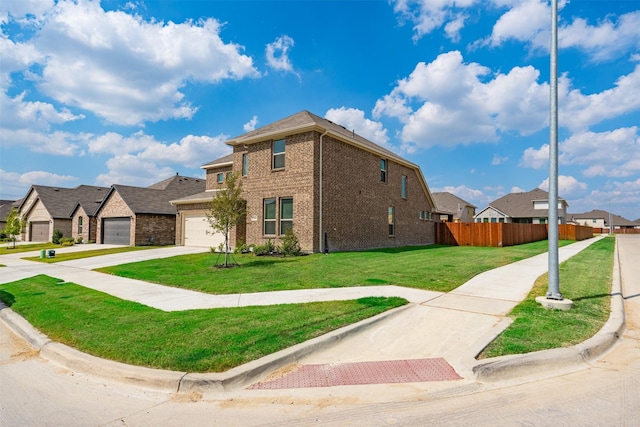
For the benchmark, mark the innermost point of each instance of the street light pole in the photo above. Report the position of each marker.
(554, 275)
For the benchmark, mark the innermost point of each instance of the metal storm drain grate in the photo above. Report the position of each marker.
(383, 372)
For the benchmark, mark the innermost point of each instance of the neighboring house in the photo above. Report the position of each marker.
(595, 218)
(5, 210)
(525, 208)
(47, 209)
(143, 215)
(621, 222)
(83, 217)
(452, 208)
(337, 190)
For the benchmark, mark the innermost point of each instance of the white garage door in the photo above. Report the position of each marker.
(198, 232)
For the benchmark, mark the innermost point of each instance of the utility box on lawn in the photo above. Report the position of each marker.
(51, 253)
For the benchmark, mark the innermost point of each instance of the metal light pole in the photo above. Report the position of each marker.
(554, 275)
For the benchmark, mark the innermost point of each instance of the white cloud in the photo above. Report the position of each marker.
(497, 160)
(429, 15)
(568, 186)
(192, 151)
(131, 170)
(251, 124)
(354, 119)
(26, 12)
(127, 70)
(57, 143)
(15, 185)
(18, 113)
(277, 54)
(621, 198)
(535, 158)
(527, 21)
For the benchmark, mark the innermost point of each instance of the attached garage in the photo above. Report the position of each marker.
(39, 231)
(198, 232)
(116, 231)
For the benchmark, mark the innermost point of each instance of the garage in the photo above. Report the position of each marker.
(198, 232)
(116, 231)
(39, 231)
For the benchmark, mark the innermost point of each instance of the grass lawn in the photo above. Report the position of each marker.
(586, 280)
(195, 341)
(90, 253)
(26, 248)
(438, 268)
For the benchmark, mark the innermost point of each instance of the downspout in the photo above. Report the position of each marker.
(320, 234)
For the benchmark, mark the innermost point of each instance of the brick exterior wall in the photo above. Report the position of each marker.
(212, 176)
(155, 230)
(115, 207)
(355, 201)
(88, 226)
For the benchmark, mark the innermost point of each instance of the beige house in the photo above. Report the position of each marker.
(143, 215)
(47, 209)
(531, 207)
(337, 190)
(452, 208)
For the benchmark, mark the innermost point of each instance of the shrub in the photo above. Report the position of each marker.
(57, 235)
(290, 245)
(79, 240)
(267, 249)
(66, 241)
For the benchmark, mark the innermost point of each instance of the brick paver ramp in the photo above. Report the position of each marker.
(382, 372)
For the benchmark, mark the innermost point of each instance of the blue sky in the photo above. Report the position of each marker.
(131, 92)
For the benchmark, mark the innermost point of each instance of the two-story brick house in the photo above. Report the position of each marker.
(336, 189)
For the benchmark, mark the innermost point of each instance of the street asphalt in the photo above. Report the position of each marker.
(453, 326)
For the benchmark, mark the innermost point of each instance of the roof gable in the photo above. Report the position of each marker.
(449, 202)
(520, 205)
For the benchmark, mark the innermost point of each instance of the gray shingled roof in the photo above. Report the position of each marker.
(305, 120)
(155, 198)
(448, 203)
(60, 202)
(5, 209)
(219, 162)
(520, 205)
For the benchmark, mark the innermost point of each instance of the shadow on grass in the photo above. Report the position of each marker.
(591, 297)
(7, 298)
(405, 249)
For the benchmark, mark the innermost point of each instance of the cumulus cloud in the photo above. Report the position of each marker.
(125, 69)
(568, 186)
(251, 124)
(57, 143)
(131, 170)
(277, 54)
(498, 160)
(15, 185)
(429, 15)
(354, 119)
(191, 151)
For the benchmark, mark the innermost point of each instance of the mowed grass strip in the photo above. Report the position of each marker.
(586, 280)
(7, 248)
(90, 253)
(436, 267)
(212, 340)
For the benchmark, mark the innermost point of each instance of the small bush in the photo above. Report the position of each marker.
(66, 241)
(267, 249)
(57, 235)
(290, 245)
(79, 240)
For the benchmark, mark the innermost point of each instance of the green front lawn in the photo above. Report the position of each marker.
(4, 250)
(586, 280)
(212, 340)
(437, 268)
(90, 253)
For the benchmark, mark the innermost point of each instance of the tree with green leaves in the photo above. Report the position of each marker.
(227, 209)
(14, 225)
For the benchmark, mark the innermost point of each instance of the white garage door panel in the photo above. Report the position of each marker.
(198, 232)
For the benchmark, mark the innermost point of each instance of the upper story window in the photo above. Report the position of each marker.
(403, 188)
(220, 178)
(79, 224)
(383, 170)
(245, 164)
(278, 154)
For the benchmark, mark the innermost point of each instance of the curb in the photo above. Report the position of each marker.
(518, 366)
(174, 381)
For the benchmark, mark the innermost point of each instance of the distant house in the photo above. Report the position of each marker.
(531, 207)
(603, 219)
(5, 210)
(452, 208)
(337, 190)
(47, 209)
(143, 215)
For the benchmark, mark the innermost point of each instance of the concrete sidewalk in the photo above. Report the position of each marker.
(454, 326)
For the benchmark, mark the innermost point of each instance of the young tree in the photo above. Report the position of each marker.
(15, 225)
(227, 209)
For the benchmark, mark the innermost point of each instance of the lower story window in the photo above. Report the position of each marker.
(286, 215)
(392, 221)
(269, 217)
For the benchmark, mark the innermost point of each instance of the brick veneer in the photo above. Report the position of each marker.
(115, 207)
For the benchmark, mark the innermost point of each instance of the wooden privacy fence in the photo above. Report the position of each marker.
(502, 234)
(617, 230)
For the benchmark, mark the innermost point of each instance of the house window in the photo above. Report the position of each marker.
(421, 214)
(79, 225)
(220, 178)
(286, 215)
(245, 164)
(392, 221)
(270, 217)
(403, 189)
(494, 219)
(383, 170)
(278, 154)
